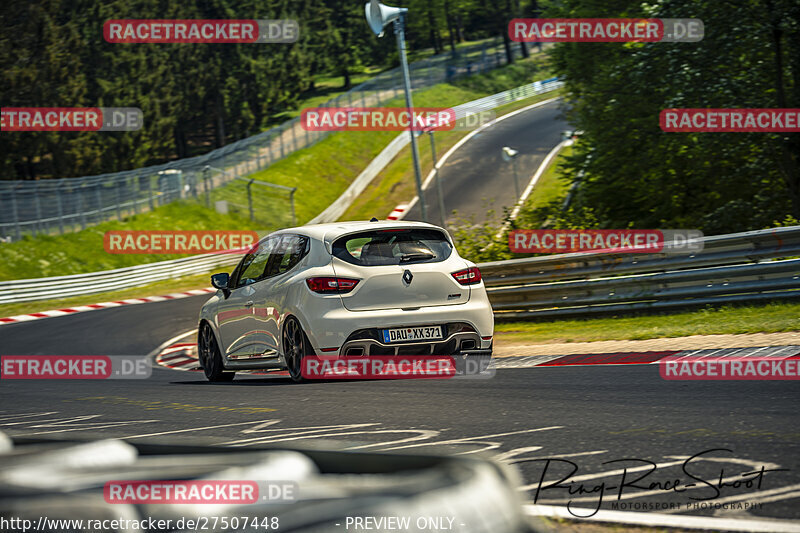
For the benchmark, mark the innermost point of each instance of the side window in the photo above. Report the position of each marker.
(234, 279)
(237, 272)
(252, 268)
(287, 254)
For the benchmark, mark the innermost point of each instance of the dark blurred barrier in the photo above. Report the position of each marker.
(65, 480)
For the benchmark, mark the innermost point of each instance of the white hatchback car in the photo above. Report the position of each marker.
(351, 288)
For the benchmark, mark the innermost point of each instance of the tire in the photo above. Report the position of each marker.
(210, 357)
(295, 347)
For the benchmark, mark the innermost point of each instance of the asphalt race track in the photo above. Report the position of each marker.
(695, 431)
(588, 415)
(475, 178)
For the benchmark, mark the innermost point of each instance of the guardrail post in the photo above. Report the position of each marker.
(82, 207)
(250, 198)
(280, 139)
(136, 190)
(60, 209)
(15, 213)
(150, 192)
(294, 138)
(38, 203)
(291, 201)
(99, 196)
(206, 173)
(119, 201)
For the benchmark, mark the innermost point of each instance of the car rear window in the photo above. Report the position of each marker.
(393, 247)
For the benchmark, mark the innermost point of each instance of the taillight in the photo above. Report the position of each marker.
(331, 285)
(469, 276)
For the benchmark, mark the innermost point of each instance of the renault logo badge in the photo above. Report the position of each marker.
(407, 277)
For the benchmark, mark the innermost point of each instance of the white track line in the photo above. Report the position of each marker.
(666, 520)
(539, 171)
(461, 143)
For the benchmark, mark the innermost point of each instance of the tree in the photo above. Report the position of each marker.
(635, 174)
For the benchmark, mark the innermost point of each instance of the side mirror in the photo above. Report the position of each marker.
(220, 281)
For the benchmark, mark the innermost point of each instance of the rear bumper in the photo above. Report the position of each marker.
(458, 337)
(330, 331)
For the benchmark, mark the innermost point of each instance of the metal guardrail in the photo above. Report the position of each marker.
(740, 267)
(53, 288)
(30, 290)
(68, 204)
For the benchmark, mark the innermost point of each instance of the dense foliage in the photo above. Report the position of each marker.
(194, 97)
(637, 175)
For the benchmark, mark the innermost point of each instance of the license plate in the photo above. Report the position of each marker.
(419, 333)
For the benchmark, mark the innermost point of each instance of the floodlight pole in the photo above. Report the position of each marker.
(438, 178)
(399, 31)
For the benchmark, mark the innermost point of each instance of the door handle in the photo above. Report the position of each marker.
(248, 303)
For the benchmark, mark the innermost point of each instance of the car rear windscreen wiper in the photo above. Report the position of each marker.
(407, 258)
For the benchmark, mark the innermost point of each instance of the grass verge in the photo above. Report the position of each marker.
(770, 318)
(196, 281)
(549, 186)
(320, 173)
(82, 251)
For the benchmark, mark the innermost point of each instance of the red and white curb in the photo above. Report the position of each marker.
(180, 356)
(639, 358)
(397, 212)
(103, 305)
(183, 356)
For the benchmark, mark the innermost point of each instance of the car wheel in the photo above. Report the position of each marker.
(295, 347)
(210, 357)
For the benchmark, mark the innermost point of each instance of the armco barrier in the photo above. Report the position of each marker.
(740, 267)
(29, 290)
(97, 282)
